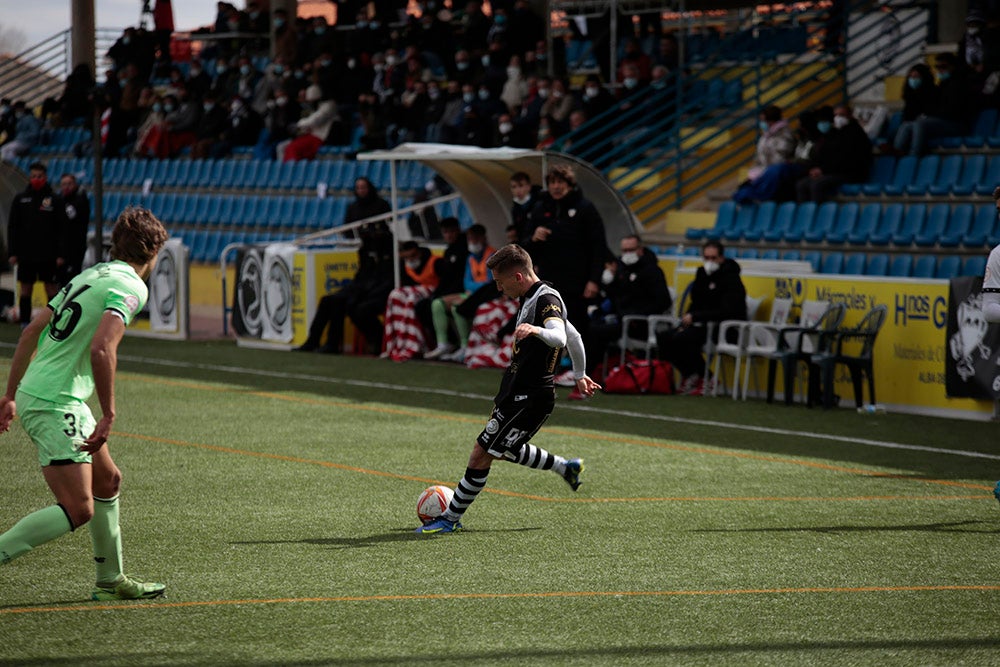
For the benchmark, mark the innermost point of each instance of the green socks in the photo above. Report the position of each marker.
(33, 530)
(107, 539)
(463, 327)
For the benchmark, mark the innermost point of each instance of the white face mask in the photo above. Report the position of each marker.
(711, 267)
(591, 92)
(522, 200)
(543, 93)
(505, 128)
(840, 122)
(475, 248)
(512, 72)
(630, 258)
(608, 276)
(413, 264)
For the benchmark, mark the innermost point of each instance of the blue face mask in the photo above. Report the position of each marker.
(944, 76)
(823, 126)
(763, 125)
(319, 30)
(914, 82)
(279, 23)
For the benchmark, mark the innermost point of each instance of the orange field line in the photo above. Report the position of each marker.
(576, 434)
(504, 596)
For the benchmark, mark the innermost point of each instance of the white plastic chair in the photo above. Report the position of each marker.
(647, 344)
(762, 337)
(725, 348)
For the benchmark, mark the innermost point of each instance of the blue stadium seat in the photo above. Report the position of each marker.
(959, 223)
(283, 179)
(749, 253)
(761, 222)
(973, 167)
(854, 264)
(770, 254)
(198, 242)
(847, 218)
(973, 266)
(934, 226)
(982, 130)
(982, 226)
(901, 266)
(832, 263)
(804, 214)
(825, 215)
(878, 265)
(906, 168)
(732, 94)
(112, 171)
(866, 224)
(880, 176)
(309, 175)
(925, 266)
(783, 217)
(203, 209)
(814, 258)
(283, 213)
(724, 219)
(262, 175)
(948, 175)
(339, 211)
(134, 171)
(310, 213)
(948, 267)
(913, 221)
(890, 220)
(791, 256)
(213, 246)
(926, 175)
(324, 215)
(990, 177)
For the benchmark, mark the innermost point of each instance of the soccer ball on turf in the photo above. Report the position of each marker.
(432, 502)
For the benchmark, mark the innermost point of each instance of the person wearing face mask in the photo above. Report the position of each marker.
(633, 284)
(515, 87)
(524, 196)
(979, 55)
(211, 126)
(773, 173)
(286, 39)
(716, 294)
(445, 308)
(73, 238)
(27, 133)
(921, 102)
(313, 129)
(843, 155)
(34, 228)
(404, 335)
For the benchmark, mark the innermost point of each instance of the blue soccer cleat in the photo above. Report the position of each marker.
(572, 475)
(996, 491)
(439, 525)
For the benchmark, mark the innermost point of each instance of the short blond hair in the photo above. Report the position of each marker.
(511, 257)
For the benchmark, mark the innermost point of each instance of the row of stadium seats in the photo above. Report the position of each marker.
(930, 175)
(921, 224)
(206, 245)
(233, 174)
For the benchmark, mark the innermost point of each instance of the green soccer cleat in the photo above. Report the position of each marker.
(572, 475)
(128, 589)
(439, 525)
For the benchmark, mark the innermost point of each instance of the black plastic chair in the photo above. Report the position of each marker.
(798, 345)
(859, 357)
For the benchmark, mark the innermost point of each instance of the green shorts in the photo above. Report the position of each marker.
(57, 429)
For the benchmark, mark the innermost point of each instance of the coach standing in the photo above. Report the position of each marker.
(37, 221)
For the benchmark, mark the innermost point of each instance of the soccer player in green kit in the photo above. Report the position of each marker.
(63, 355)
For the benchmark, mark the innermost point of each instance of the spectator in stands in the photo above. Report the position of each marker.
(199, 83)
(920, 99)
(524, 195)
(632, 85)
(34, 230)
(125, 114)
(635, 56)
(7, 120)
(267, 86)
(286, 41)
(948, 113)
(282, 114)
(526, 28)
(404, 335)
(73, 237)
(314, 128)
(27, 133)
(475, 27)
(75, 105)
(633, 284)
(373, 121)
(462, 69)
(125, 50)
(433, 112)
(515, 88)
(716, 294)
(666, 52)
(364, 298)
(559, 106)
(318, 40)
(247, 78)
(596, 99)
(242, 128)
(448, 128)
(979, 53)
(772, 175)
(451, 276)
(565, 238)
(844, 155)
(476, 276)
(210, 129)
(152, 112)
(183, 115)
(546, 137)
(503, 134)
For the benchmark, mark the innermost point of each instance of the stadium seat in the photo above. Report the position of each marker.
(973, 167)
(959, 223)
(925, 266)
(804, 214)
(888, 223)
(973, 266)
(913, 221)
(282, 177)
(749, 253)
(770, 254)
(814, 258)
(982, 130)
(854, 264)
(866, 224)
(198, 242)
(982, 226)
(847, 218)
(832, 263)
(724, 219)
(791, 255)
(990, 177)
(783, 217)
(948, 267)
(880, 176)
(947, 176)
(901, 266)
(933, 227)
(134, 172)
(744, 219)
(761, 222)
(825, 215)
(878, 265)
(112, 171)
(926, 175)
(906, 168)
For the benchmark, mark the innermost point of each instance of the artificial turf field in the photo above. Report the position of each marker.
(274, 494)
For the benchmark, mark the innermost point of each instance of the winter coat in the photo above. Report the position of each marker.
(720, 296)
(640, 288)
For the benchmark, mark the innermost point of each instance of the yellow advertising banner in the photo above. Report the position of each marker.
(910, 349)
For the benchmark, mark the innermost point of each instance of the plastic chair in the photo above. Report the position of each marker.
(804, 214)
(843, 227)
(761, 223)
(888, 223)
(744, 219)
(947, 176)
(925, 266)
(854, 264)
(867, 222)
(973, 266)
(901, 266)
(913, 220)
(906, 168)
(990, 178)
(860, 363)
(934, 226)
(799, 344)
(973, 167)
(724, 219)
(832, 263)
(822, 223)
(880, 176)
(770, 254)
(982, 226)
(959, 224)
(737, 349)
(878, 265)
(926, 174)
(783, 217)
(948, 267)
(815, 258)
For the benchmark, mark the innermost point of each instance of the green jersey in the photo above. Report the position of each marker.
(61, 369)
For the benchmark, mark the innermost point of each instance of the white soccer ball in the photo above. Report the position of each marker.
(433, 501)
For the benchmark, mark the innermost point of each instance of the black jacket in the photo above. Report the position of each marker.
(576, 250)
(720, 296)
(519, 212)
(640, 288)
(451, 268)
(35, 226)
(846, 152)
(375, 253)
(76, 210)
